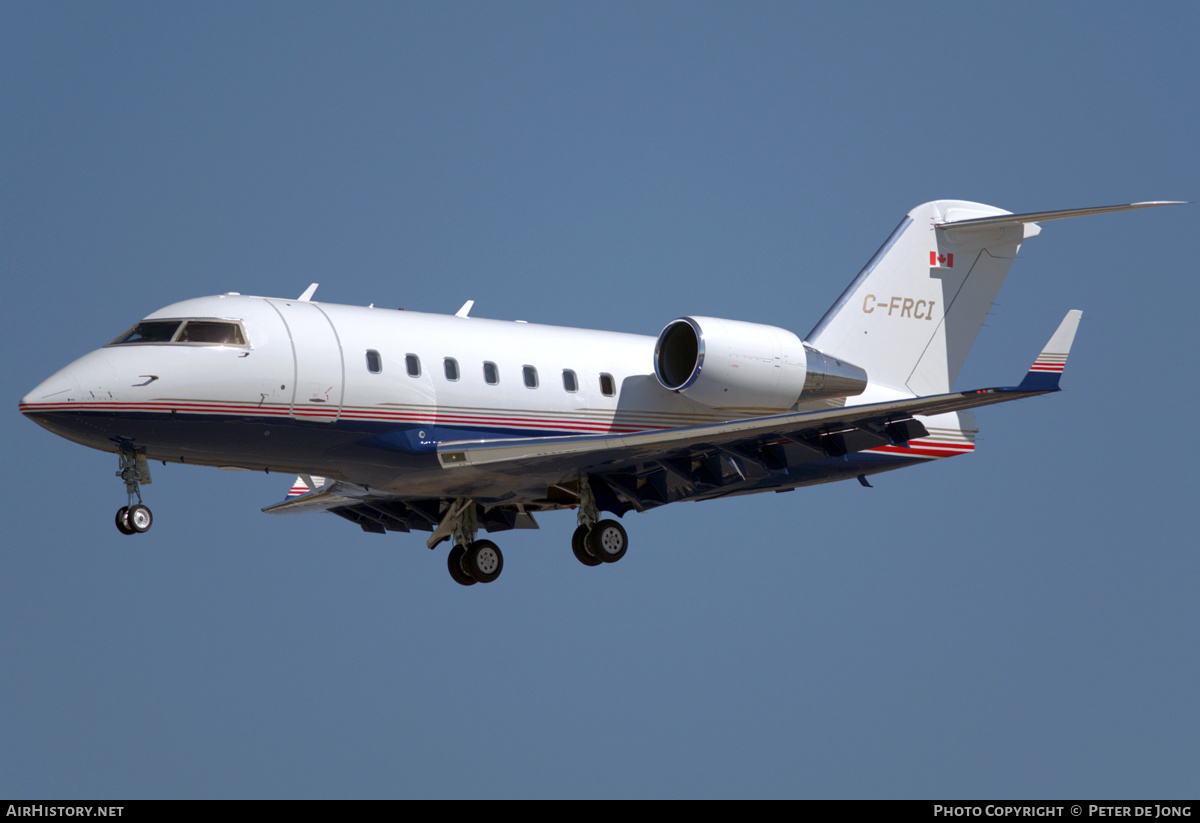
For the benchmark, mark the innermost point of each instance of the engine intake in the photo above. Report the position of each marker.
(748, 367)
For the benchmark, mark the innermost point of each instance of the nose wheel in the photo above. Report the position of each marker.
(134, 518)
(123, 521)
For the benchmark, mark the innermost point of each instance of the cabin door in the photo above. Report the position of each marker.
(319, 379)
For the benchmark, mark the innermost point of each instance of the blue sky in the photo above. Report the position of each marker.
(1020, 622)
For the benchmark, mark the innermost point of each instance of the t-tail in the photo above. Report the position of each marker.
(912, 314)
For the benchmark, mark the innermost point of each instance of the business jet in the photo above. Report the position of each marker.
(451, 424)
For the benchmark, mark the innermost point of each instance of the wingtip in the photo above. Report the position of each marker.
(1047, 369)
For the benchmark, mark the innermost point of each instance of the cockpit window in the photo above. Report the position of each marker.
(213, 332)
(191, 332)
(149, 331)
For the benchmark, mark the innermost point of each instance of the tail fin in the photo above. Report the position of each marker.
(914, 311)
(912, 314)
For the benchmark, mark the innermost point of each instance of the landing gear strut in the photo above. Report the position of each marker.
(134, 518)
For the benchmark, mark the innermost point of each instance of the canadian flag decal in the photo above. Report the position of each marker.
(941, 261)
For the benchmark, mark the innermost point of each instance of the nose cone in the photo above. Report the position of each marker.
(60, 387)
(90, 379)
(72, 402)
(52, 401)
(66, 402)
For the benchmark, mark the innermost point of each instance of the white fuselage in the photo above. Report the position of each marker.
(314, 381)
(366, 395)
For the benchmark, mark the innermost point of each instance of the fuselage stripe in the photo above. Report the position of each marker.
(926, 448)
(431, 417)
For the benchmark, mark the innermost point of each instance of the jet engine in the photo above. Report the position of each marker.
(730, 364)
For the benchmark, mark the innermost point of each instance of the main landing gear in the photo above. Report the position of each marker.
(605, 542)
(596, 541)
(481, 562)
(134, 518)
(474, 561)
(471, 561)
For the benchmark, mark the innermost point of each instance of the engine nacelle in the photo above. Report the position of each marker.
(730, 364)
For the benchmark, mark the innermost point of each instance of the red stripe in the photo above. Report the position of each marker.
(317, 412)
(915, 448)
(927, 449)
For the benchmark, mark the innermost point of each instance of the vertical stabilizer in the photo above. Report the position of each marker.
(912, 314)
(914, 311)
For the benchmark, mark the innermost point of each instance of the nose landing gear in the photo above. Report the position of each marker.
(134, 518)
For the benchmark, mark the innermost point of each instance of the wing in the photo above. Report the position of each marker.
(646, 469)
(825, 433)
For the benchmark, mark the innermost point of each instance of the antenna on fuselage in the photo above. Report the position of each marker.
(465, 310)
(308, 293)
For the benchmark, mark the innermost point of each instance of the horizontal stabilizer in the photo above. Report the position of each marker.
(1002, 220)
(1047, 370)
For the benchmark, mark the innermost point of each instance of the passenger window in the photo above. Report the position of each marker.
(374, 362)
(490, 375)
(607, 387)
(413, 364)
(531, 380)
(570, 383)
(451, 367)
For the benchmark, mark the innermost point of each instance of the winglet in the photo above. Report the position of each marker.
(1047, 370)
